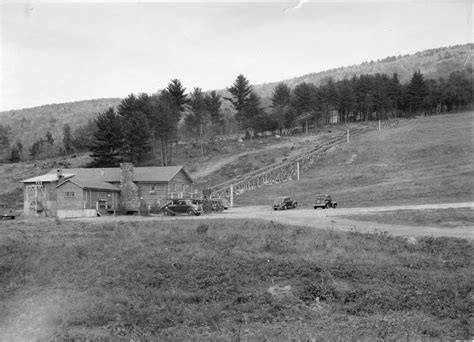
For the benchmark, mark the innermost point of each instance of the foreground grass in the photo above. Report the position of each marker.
(443, 218)
(228, 280)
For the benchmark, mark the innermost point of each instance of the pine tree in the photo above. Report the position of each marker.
(15, 154)
(177, 92)
(417, 91)
(106, 146)
(252, 113)
(281, 105)
(49, 138)
(240, 91)
(136, 138)
(135, 115)
(67, 138)
(164, 122)
(213, 104)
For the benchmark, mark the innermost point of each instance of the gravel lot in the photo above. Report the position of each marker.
(322, 219)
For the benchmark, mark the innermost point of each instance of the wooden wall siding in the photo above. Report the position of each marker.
(50, 191)
(152, 198)
(71, 203)
(48, 198)
(92, 196)
(177, 182)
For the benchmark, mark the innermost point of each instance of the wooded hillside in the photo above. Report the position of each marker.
(27, 126)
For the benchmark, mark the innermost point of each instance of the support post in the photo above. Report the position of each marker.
(231, 195)
(379, 125)
(348, 135)
(298, 170)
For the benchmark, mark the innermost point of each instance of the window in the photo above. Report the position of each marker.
(69, 194)
(153, 187)
(175, 187)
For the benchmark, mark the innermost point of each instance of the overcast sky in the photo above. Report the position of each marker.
(53, 53)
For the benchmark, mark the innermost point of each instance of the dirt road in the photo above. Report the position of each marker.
(323, 219)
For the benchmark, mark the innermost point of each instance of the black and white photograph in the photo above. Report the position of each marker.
(288, 170)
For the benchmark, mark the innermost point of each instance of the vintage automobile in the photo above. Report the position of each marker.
(182, 206)
(324, 201)
(283, 203)
(214, 204)
(7, 212)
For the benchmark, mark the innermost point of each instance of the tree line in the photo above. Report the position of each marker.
(150, 124)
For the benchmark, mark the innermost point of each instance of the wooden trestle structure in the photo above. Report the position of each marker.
(278, 172)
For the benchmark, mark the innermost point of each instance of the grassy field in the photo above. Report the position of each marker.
(423, 160)
(228, 280)
(432, 218)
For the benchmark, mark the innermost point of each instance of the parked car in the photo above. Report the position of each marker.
(182, 206)
(284, 203)
(7, 212)
(324, 201)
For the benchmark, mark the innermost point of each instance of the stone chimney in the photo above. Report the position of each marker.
(129, 192)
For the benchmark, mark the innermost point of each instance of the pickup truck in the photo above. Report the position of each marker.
(7, 212)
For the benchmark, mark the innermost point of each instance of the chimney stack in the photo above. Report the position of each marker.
(129, 192)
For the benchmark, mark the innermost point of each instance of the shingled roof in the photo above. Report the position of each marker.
(100, 178)
(156, 174)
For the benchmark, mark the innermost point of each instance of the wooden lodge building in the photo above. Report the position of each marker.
(82, 192)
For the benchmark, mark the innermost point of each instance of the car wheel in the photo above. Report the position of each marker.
(334, 206)
(197, 214)
(294, 205)
(190, 212)
(315, 208)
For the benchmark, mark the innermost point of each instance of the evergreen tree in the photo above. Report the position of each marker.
(67, 138)
(107, 142)
(213, 104)
(281, 105)
(15, 154)
(252, 113)
(83, 136)
(49, 138)
(164, 122)
(4, 136)
(36, 148)
(135, 115)
(417, 91)
(19, 147)
(136, 138)
(177, 92)
(240, 91)
(346, 99)
(395, 93)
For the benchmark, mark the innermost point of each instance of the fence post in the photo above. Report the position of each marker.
(379, 125)
(298, 170)
(348, 135)
(231, 195)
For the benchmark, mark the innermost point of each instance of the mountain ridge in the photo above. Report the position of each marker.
(33, 123)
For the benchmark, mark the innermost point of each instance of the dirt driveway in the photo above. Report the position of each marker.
(322, 219)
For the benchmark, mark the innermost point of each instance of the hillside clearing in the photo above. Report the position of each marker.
(423, 160)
